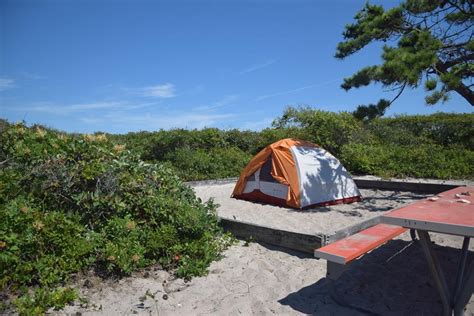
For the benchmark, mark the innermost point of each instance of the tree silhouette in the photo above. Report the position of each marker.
(427, 41)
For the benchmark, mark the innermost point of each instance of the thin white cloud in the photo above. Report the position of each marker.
(263, 97)
(64, 109)
(134, 106)
(225, 101)
(258, 66)
(69, 109)
(167, 120)
(6, 83)
(166, 90)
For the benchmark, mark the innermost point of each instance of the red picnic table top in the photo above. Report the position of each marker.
(450, 212)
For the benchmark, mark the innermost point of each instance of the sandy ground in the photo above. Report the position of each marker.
(264, 280)
(259, 279)
(320, 220)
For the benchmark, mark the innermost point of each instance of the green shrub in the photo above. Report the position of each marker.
(421, 161)
(330, 130)
(43, 299)
(392, 143)
(435, 146)
(202, 164)
(440, 128)
(37, 241)
(165, 143)
(75, 202)
(247, 141)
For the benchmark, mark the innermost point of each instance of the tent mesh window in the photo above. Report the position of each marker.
(265, 172)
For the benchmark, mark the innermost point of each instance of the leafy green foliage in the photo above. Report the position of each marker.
(215, 163)
(432, 41)
(75, 202)
(398, 146)
(434, 146)
(371, 111)
(42, 299)
(420, 161)
(330, 130)
(443, 129)
(197, 154)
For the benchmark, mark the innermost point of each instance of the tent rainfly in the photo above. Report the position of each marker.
(296, 174)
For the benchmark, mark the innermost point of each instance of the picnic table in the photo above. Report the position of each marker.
(450, 212)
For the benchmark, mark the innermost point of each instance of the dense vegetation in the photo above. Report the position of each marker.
(75, 202)
(432, 146)
(113, 203)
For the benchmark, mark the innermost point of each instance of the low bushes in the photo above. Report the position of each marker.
(200, 164)
(70, 203)
(435, 146)
(421, 161)
(443, 129)
(330, 130)
(426, 146)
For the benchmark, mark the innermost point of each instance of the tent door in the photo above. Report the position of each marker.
(253, 182)
(263, 181)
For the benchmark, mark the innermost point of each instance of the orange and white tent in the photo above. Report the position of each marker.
(296, 174)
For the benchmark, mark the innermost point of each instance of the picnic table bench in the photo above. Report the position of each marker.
(341, 253)
(450, 212)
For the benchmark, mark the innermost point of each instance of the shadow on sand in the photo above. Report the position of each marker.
(381, 283)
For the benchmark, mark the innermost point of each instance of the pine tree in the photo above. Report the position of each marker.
(427, 41)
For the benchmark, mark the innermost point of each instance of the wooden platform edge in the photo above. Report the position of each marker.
(351, 230)
(211, 182)
(422, 187)
(289, 239)
(433, 188)
(277, 237)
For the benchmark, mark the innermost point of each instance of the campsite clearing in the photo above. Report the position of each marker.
(261, 279)
(318, 220)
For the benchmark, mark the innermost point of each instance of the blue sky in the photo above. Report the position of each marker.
(120, 66)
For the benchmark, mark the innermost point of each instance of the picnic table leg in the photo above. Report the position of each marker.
(436, 271)
(413, 234)
(462, 267)
(466, 290)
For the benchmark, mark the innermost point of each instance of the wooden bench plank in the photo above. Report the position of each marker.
(345, 250)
